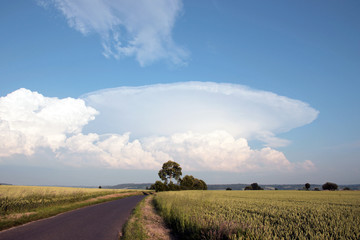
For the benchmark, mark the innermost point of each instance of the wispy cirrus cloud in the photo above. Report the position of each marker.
(142, 29)
(203, 126)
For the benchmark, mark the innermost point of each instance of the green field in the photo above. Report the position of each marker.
(21, 204)
(262, 214)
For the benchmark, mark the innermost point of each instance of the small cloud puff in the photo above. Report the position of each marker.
(127, 28)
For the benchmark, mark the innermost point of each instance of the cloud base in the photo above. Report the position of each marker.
(203, 126)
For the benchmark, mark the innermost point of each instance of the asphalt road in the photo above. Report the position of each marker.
(98, 222)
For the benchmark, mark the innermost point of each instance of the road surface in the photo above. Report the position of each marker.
(98, 222)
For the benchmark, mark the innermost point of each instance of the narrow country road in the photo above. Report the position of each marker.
(98, 222)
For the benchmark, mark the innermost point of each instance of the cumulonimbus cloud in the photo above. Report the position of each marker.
(200, 107)
(28, 120)
(127, 28)
(203, 126)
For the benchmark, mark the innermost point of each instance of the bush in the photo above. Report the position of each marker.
(346, 189)
(330, 186)
(191, 183)
(254, 186)
(228, 189)
(173, 187)
(159, 186)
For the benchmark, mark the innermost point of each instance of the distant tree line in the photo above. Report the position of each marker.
(172, 170)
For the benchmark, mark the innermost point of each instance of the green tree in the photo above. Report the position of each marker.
(254, 186)
(159, 186)
(191, 183)
(187, 182)
(307, 186)
(330, 186)
(173, 187)
(169, 171)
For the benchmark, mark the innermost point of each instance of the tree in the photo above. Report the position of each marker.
(173, 187)
(191, 183)
(330, 186)
(307, 186)
(187, 182)
(159, 186)
(169, 171)
(254, 186)
(228, 189)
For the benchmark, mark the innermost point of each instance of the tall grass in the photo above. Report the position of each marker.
(262, 214)
(17, 199)
(21, 204)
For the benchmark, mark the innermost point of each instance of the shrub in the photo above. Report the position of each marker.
(330, 186)
(254, 186)
(159, 186)
(191, 183)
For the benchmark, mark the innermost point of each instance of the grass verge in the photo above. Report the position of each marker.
(8, 221)
(145, 223)
(134, 229)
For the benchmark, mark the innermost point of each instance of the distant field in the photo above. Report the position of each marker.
(20, 204)
(262, 214)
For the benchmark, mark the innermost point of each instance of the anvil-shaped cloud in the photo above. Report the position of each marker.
(201, 125)
(200, 107)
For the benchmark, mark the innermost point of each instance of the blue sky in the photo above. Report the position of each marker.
(276, 81)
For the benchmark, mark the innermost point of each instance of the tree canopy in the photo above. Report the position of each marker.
(254, 186)
(330, 186)
(169, 171)
(172, 170)
(191, 183)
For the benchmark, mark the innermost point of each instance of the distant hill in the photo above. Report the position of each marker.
(130, 186)
(5, 184)
(239, 186)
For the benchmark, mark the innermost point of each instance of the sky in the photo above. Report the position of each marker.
(104, 92)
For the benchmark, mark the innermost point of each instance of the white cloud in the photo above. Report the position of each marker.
(200, 107)
(203, 126)
(215, 151)
(113, 150)
(128, 28)
(29, 120)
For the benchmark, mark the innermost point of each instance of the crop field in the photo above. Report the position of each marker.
(262, 214)
(20, 204)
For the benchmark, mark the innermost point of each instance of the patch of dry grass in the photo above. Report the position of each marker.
(145, 223)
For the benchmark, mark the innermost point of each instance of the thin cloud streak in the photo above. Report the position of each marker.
(142, 29)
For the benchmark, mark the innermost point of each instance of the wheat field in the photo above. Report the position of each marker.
(262, 214)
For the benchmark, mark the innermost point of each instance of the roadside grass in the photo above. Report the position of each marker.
(146, 223)
(23, 204)
(134, 228)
